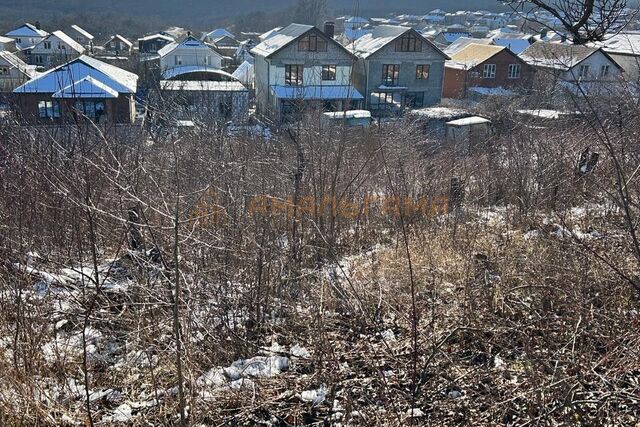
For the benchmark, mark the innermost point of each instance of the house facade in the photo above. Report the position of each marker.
(13, 72)
(189, 57)
(398, 68)
(82, 88)
(150, 45)
(27, 35)
(55, 49)
(573, 63)
(300, 67)
(119, 46)
(484, 68)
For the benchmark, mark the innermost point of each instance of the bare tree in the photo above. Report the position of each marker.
(583, 20)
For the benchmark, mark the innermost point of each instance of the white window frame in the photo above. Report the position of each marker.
(178, 60)
(489, 71)
(514, 71)
(46, 45)
(604, 70)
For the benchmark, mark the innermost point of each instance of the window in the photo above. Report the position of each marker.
(61, 46)
(489, 71)
(4, 71)
(604, 71)
(312, 43)
(390, 74)
(514, 71)
(583, 71)
(39, 59)
(207, 60)
(178, 60)
(91, 109)
(414, 99)
(19, 40)
(386, 100)
(293, 75)
(409, 42)
(422, 72)
(48, 109)
(47, 45)
(329, 72)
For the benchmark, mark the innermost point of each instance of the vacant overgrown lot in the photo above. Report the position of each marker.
(320, 276)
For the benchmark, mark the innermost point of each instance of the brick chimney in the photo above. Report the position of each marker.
(329, 29)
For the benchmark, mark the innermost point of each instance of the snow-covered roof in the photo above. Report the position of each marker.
(189, 43)
(245, 72)
(269, 33)
(451, 36)
(279, 39)
(69, 41)
(545, 114)
(557, 55)
(188, 69)
(218, 33)
(155, 37)
(380, 37)
(82, 31)
(440, 113)
(474, 54)
(463, 42)
(4, 39)
(64, 75)
(622, 43)
(121, 38)
(350, 114)
(352, 34)
(356, 20)
(201, 86)
(14, 61)
(491, 91)
(317, 92)
(27, 30)
(468, 121)
(87, 87)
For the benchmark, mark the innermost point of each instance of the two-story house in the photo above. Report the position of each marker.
(190, 58)
(300, 66)
(54, 49)
(572, 63)
(27, 35)
(118, 45)
(480, 68)
(398, 68)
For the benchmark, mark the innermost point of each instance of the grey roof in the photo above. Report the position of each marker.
(381, 36)
(280, 39)
(121, 38)
(189, 42)
(559, 55)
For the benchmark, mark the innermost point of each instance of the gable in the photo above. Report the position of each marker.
(334, 49)
(428, 50)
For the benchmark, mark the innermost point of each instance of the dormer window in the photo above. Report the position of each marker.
(312, 43)
(47, 45)
(409, 42)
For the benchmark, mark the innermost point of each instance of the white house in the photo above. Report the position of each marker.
(27, 35)
(189, 56)
(572, 63)
(8, 44)
(54, 49)
(13, 72)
